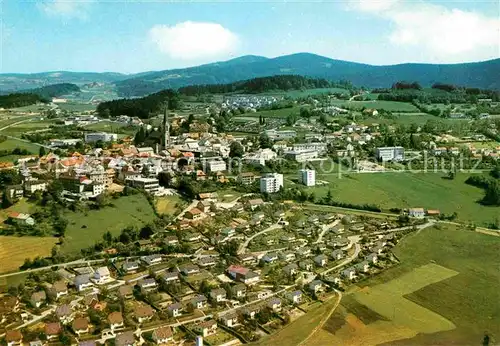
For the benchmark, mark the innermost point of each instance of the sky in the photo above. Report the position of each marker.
(131, 36)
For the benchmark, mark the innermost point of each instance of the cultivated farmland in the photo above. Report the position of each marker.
(14, 250)
(440, 294)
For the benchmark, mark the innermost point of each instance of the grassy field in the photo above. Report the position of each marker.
(77, 107)
(14, 250)
(277, 113)
(298, 330)
(109, 126)
(11, 144)
(312, 92)
(442, 293)
(84, 230)
(386, 105)
(22, 206)
(17, 130)
(403, 190)
(166, 205)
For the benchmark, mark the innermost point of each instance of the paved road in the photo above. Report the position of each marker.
(80, 261)
(326, 228)
(243, 246)
(345, 262)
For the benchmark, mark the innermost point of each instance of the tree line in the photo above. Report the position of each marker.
(39, 95)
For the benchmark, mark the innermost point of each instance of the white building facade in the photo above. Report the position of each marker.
(307, 177)
(271, 183)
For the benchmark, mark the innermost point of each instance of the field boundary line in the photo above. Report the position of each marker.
(322, 323)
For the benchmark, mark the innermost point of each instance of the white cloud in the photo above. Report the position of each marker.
(194, 40)
(65, 8)
(437, 33)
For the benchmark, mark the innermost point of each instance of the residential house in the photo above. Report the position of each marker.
(148, 285)
(126, 339)
(115, 320)
(287, 256)
(373, 258)
(291, 269)
(102, 275)
(239, 291)
(255, 203)
(126, 291)
(193, 214)
(64, 313)
(349, 273)
(52, 330)
(251, 311)
(169, 277)
(14, 338)
(163, 335)
(306, 265)
(228, 232)
(82, 282)
(143, 313)
(21, 219)
(198, 302)
(58, 289)
(174, 310)
(316, 286)
(38, 298)
(304, 252)
(207, 261)
(206, 328)
(171, 240)
(218, 295)
(151, 259)
(204, 206)
(295, 296)
(247, 259)
(337, 255)
(242, 274)
(321, 260)
(269, 257)
(363, 266)
(80, 326)
(247, 178)
(230, 319)
(416, 212)
(274, 304)
(189, 269)
(130, 267)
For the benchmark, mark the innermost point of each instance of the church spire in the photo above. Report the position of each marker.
(166, 129)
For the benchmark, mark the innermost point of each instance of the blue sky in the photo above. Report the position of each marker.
(133, 36)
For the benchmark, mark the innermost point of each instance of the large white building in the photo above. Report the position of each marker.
(216, 166)
(301, 155)
(271, 182)
(150, 185)
(100, 136)
(260, 157)
(307, 177)
(283, 134)
(390, 153)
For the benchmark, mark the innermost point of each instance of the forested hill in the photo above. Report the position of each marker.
(263, 84)
(20, 100)
(33, 96)
(140, 107)
(54, 90)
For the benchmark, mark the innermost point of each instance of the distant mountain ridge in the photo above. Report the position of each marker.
(482, 75)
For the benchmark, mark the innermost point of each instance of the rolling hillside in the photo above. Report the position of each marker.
(481, 74)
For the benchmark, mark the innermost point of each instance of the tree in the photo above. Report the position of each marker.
(265, 141)
(236, 149)
(41, 152)
(140, 136)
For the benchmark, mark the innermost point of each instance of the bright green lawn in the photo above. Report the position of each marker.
(10, 144)
(77, 107)
(278, 113)
(109, 126)
(469, 299)
(403, 190)
(127, 211)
